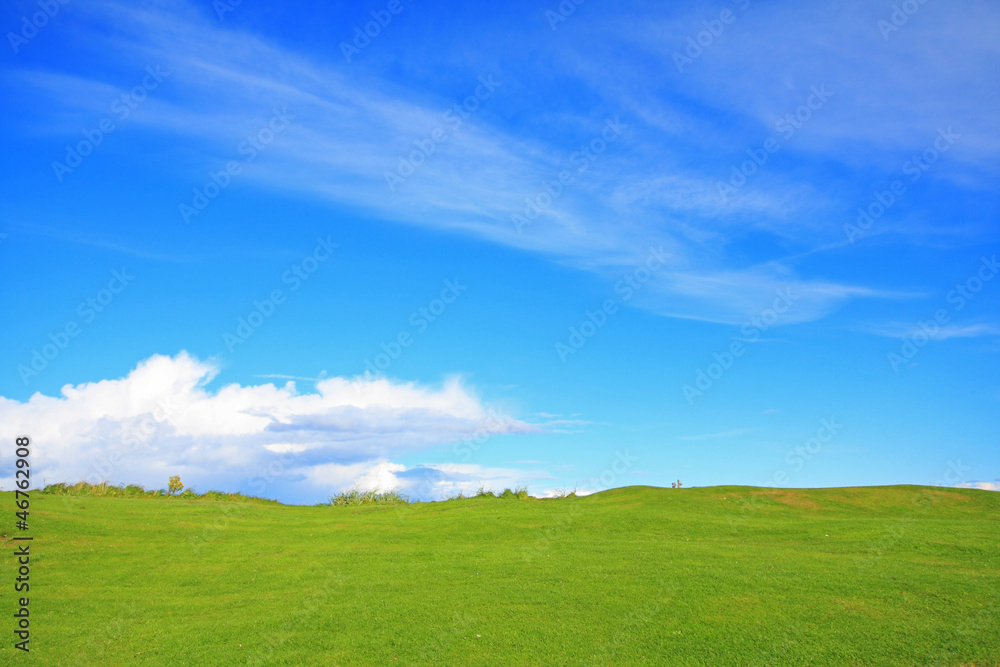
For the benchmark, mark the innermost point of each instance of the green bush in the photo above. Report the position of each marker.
(135, 491)
(373, 497)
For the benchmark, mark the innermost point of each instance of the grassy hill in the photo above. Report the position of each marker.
(709, 576)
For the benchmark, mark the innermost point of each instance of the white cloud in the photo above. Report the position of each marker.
(985, 486)
(429, 481)
(161, 420)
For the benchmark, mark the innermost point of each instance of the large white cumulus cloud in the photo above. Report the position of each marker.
(160, 420)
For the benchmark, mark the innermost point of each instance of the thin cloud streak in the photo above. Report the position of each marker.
(350, 129)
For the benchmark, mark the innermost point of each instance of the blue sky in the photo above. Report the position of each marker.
(615, 244)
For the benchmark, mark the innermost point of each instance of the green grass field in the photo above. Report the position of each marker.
(709, 576)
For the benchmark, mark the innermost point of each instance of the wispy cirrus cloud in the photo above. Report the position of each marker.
(714, 436)
(352, 126)
(937, 332)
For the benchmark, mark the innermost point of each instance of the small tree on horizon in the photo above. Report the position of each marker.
(174, 485)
